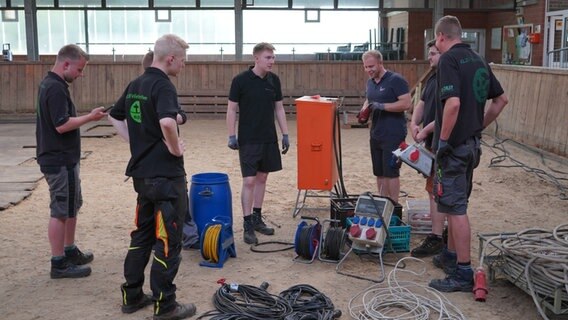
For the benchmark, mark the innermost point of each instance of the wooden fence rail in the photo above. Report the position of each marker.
(103, 82)
(537, 113)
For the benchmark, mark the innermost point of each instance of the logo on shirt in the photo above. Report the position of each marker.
(447, 88)
(381, 89)
(136, 112)
(481, 85)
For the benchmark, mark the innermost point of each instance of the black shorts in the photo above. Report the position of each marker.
(384, 165)
(455, 174)
(263, 157)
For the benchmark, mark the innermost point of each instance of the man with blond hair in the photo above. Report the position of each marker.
(145, 116)
(257, 95)
(58, 155)
(387, 100)
(465, 82)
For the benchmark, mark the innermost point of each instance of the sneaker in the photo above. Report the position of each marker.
(144, 301)
(79, 258)
(460, 280)
(445, 261)
(249, 236)
(260, 226)
(65, 269)
(181, 311)
(432, 245)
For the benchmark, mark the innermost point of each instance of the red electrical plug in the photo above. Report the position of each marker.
(355, 231)
(403, 145)
(480, 286)
(414, 155)
(371, 233)
(363, 115)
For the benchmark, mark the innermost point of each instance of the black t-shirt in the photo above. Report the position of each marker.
(464, 74)
(430, 98)
(146, 100)
(54, 107)
(387, 126)
(256, 97)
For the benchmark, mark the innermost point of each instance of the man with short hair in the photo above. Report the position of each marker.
(388, 98)
(58, 155)
(425, 114)
(145, 116)
(257, 95)
(465, 82)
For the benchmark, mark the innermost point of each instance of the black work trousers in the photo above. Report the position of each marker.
(160, 213)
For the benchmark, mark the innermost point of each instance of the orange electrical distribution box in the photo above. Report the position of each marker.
(317, 165)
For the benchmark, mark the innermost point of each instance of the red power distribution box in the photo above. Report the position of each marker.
(318, 132)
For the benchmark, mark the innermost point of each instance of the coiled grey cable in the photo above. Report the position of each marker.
(403, 299)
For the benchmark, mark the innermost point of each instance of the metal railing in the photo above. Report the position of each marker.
(558, 58)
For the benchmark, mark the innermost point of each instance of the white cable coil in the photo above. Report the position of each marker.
(402, 299)
(538, 260)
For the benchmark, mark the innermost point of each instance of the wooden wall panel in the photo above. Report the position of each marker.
(537, 112)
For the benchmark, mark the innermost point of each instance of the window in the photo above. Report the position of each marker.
(312, 4)
(174, 3)
(217, 3)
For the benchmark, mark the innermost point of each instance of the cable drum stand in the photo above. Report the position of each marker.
(369, 231)
(217, 242)
(307, 240)
(332, 242)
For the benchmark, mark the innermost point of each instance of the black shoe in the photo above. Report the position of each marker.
(64, 269)
(430, 246)
(249, 236)
(260, 226)
(145, 301)
(181, 311)
(78, 258)
(460, 280)
(445, 261)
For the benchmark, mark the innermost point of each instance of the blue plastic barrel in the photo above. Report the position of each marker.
(209, 197)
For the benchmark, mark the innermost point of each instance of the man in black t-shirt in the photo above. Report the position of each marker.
(425, 114)
(465, 82)
(145, 115)
(58, 155)
(257, 95)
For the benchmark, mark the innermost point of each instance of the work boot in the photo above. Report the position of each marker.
(259, 225)
(78, 258)
(64, 269)
(181, 311)
(144, 301)
(433, 244)
(446, 261)
(249, 236)
(460, 280)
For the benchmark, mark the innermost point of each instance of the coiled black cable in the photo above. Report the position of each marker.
(333, 243)
(243, 301)
(309, 303)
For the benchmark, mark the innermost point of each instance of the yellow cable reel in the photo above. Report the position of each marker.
(210, 247)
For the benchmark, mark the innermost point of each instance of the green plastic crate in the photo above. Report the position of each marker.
(399, 236)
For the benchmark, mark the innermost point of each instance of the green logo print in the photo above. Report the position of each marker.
(481, 85)
(135, 112)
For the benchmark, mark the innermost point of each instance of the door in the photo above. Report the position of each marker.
(557, 54)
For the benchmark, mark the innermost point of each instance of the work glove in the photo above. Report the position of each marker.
(285, 143)
(377, 106)
(233, 143)
(444, 149)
